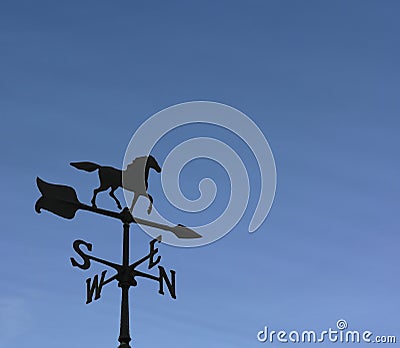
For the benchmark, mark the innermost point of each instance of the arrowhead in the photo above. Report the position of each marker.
(182, 231)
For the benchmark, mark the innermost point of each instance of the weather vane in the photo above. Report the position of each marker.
(63, 201)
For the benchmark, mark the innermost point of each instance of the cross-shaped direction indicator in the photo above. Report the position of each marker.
(124, 274)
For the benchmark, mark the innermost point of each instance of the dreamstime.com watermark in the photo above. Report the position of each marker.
(340, 334)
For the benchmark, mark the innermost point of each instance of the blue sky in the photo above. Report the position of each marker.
(320, 79)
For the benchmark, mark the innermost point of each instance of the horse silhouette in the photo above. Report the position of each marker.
(134, 178)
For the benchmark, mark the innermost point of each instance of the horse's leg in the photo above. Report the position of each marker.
(114, 197)
(134, 200)
(150, 208)
(95, 192)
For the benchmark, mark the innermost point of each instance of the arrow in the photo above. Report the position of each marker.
(62, 200)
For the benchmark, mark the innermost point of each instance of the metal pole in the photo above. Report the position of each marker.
(124, 284)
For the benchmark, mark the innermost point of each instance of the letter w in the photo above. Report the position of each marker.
(94, 288)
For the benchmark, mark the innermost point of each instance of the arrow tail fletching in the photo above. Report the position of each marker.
(57, 199)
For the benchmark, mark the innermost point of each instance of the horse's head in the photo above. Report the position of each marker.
(152, 163)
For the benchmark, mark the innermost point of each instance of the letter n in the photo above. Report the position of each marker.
(170, 283)
(94, 288)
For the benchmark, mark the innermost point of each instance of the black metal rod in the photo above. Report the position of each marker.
(105, 262)
(124, 335)
(125, 251)
(105, 212)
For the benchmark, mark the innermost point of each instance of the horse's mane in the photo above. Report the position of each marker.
(139, 163)
(135, 176)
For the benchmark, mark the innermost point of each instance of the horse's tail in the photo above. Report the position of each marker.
(87, 166)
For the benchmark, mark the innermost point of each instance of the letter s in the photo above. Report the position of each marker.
(86, 259)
